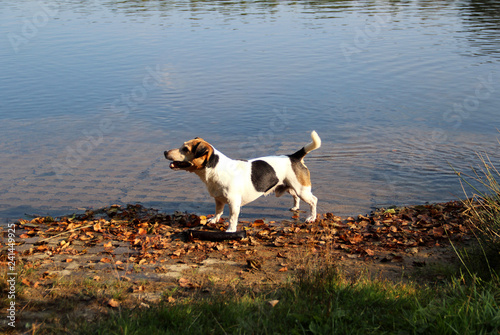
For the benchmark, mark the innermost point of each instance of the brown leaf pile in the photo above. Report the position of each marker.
(152, 235)
(406, 229)
(145, 230)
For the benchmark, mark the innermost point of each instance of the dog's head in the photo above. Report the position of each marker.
(191, 156)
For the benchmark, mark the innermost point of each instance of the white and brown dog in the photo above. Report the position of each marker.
(237, 182)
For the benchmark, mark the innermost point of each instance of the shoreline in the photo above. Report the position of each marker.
(272, 211)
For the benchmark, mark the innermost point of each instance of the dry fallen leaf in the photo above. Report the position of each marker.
(178, 252)
(356, 239)
(369, 252)
(438, 231)
(259, 224)
(139, 288)
(185, 283)
(280, 241)
(113, 303)
(273, 302)
(42, 248)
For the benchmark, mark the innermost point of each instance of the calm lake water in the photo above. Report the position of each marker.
(93, 92)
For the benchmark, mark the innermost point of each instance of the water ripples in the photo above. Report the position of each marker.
(378, 81)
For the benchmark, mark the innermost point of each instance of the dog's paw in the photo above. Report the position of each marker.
(294, 209)
(310, 219)
(213, 220)
(232, 227)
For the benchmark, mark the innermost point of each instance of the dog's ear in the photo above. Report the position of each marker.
(202, 151)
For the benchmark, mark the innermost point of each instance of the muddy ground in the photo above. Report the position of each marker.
(84, 266)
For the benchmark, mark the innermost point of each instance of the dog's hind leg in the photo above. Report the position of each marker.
(296, 199)
(306, 195)
(285, 188)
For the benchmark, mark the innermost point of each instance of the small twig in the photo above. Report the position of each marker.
(69, 231)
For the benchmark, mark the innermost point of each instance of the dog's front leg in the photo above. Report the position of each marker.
(219, 209)
(234, 213)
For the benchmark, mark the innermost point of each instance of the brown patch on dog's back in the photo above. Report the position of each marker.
(302, 172)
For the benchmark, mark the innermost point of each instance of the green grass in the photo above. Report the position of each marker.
(322, 301)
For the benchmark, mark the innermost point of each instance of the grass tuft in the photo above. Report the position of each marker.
(482, 261)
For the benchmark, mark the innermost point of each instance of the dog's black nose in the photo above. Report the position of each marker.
(166, 154)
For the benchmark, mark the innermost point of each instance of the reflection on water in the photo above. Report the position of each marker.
(92, 92)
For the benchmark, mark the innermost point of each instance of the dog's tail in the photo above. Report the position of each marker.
(315, 144)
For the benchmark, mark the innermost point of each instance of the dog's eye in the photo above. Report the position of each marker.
(184, 150)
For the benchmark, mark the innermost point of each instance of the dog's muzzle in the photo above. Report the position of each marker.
(177, 164)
